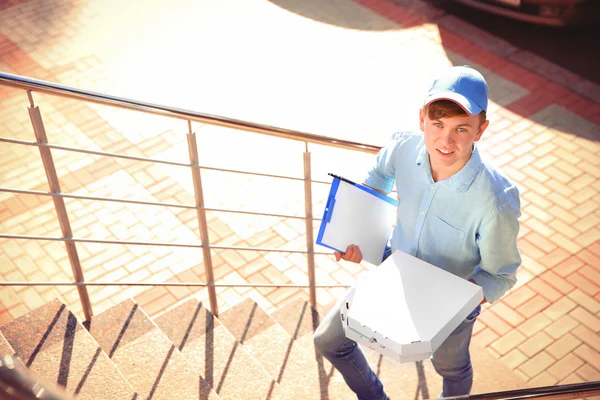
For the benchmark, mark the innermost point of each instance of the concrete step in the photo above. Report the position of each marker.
(58, 349)
(5, 347)
(311, 376)
(416, 380)
(216, 354)
(146, 356)
(21, 382)
(260, 336)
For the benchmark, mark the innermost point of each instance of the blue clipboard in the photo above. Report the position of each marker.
(357, 214)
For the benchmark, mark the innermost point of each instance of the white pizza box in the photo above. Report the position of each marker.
(405, 308)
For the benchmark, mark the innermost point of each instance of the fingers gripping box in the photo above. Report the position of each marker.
(405, 308)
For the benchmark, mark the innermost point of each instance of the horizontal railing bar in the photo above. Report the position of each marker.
(152, 160)
(93, 152)
(166, 244)
(146, 203)
(283, 285)
(136, 105)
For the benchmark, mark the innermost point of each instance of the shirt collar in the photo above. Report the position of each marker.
(463, 178)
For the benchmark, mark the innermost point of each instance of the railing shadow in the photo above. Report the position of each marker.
(67, 352)
(45, 336)
(208, 377)
(88, 371)
(123, 330)
(234, 349)
(324, 376)
(209, 339)
(161, 372)
(290, 345)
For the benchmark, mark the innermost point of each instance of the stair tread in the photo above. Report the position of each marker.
(260, 335)
(5, 347)
(293, 363)
(298, 318)
(215, 353)
(56, 348)
(146, 356)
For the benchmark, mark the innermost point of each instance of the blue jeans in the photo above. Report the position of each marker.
(451, 360)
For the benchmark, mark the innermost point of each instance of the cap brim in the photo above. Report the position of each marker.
(470, 107)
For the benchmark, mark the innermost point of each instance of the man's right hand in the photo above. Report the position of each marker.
(352, 254)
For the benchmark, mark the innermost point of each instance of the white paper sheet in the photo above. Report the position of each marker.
(361, 218)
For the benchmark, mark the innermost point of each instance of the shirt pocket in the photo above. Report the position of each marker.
(446, 240)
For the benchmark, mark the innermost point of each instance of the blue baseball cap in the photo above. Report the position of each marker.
(462, 85)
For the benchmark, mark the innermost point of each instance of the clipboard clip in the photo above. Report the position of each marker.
(342, 179)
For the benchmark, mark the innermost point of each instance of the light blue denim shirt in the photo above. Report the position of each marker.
(466, 224)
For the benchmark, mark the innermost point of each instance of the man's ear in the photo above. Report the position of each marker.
(422, 120)
(482, 129)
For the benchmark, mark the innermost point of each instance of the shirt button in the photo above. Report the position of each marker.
(417, 235)
(431, 187)
(422, 212)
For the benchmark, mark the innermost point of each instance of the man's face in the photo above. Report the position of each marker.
(449, 141)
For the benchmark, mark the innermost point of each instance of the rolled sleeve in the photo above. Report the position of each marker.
(383, 174)
(500, 256)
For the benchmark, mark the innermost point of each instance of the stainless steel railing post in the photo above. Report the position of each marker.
(59, 205)
(310, 247)
(202, 222)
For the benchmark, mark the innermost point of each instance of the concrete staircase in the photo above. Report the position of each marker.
(187, 353)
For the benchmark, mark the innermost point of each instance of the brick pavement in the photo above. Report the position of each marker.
(335, 68)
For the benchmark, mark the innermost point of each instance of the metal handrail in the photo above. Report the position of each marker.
(33, 85)
(570, 391)
(19, 383)
(22, 82)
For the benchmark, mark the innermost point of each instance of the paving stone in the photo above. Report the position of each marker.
(508, 342)
(536, 364)
(568, 267)
(485, 337)
(494, 322)
(586, 301)
(535, 344)
(514, 358)
(565, 366)
(518, 297)
(589, 374)
(560, 308)
(591, 356)
(533, 306)
(588, 337)
(556, 281)
(587, 286)
(544, 289)
(543, 379)
(561, 326)
(563, 346)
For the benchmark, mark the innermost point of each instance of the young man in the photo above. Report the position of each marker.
(455, 212)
